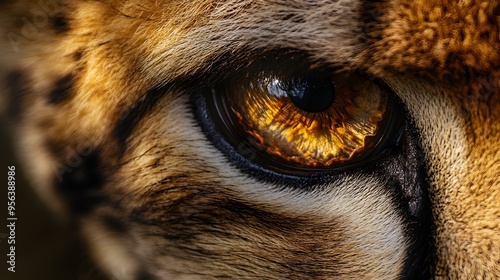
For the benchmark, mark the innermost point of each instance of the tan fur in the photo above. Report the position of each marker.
(451, 38)
(440, 57)
(465, 177)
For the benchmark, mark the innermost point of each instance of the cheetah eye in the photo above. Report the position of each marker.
(301, 121)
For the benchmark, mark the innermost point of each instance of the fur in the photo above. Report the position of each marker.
(172, 206)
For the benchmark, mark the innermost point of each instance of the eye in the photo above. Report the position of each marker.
(302, 120)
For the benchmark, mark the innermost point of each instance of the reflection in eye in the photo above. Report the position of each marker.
(304, 121)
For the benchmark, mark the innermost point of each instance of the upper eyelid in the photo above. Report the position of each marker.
(228, 65)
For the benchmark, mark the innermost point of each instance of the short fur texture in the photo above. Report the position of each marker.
(160, 201)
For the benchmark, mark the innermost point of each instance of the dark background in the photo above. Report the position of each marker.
(45, 247)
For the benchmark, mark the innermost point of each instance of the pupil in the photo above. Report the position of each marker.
(311, 95)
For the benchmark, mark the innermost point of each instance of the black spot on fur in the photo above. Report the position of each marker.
(77, 56)
(79, 181)
(144, 275)
(114, 224)
(60, 24)
(56, 148)
(62, 89)
(6, 2)
(131, 117)
(18, 87)
(370, 15)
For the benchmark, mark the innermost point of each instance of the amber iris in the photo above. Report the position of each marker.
(307, 121)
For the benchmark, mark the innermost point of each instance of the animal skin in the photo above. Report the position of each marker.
(103, 101)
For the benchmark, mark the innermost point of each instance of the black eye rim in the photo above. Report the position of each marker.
(243, 155)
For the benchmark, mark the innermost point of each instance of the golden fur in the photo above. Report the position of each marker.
(188, 212)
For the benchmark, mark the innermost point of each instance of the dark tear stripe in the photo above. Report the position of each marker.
(133, 115)
(408, 182)
(62, 89)
(80, 182)
(18, 87)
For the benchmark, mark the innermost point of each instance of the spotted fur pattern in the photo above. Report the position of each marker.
(99, 98)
